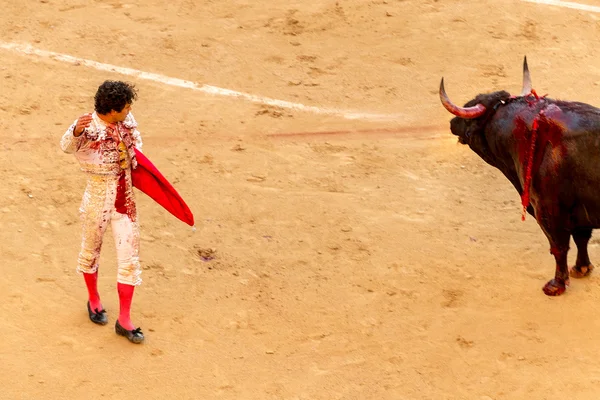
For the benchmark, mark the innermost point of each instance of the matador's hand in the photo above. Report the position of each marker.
(82, 123)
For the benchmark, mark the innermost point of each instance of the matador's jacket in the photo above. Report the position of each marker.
(106, 154)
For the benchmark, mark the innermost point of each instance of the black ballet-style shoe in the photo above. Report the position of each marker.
(97, 317)
(134, 336)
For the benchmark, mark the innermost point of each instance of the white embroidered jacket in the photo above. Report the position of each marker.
(96, 148)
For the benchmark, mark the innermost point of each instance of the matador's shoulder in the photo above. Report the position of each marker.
(130, 121)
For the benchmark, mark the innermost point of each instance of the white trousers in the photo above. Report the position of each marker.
(97, 210)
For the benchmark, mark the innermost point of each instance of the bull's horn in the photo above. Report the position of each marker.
(462, 112)
(526, 79)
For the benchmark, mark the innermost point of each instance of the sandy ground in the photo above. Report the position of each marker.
(380, 261)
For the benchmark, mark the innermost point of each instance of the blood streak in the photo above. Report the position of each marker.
(528, 167)
(547, 128)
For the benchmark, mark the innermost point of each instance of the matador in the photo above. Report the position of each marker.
(105, 144)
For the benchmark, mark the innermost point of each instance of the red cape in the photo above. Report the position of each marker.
(147, 178)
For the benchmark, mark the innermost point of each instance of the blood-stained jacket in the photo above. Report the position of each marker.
(97, 148)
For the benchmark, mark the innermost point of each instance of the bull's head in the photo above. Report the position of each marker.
(471, 119)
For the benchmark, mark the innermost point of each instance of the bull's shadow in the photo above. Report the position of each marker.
(550, 151)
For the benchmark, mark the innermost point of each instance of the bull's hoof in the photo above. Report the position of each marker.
(581, 271)
(555, 288)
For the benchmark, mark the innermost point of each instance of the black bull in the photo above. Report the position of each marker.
(550, 151)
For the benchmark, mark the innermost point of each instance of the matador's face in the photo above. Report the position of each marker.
(121, 115)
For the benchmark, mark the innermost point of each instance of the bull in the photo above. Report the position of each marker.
(550, 151)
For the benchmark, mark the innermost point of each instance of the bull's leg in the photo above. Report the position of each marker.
(559, 242)
(583, 266)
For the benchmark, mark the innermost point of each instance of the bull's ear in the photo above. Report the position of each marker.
(526, 79)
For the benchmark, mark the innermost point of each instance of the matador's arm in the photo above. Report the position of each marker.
(69, 143)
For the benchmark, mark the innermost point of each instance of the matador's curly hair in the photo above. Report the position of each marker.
(114, 95)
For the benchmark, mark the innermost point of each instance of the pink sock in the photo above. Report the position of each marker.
(125, 298)
(91, 281)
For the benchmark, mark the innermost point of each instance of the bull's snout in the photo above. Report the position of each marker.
(458, 128)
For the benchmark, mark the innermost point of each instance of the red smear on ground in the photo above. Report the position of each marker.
(386, 131)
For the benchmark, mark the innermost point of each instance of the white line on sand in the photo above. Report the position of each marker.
(213, 90)
(567, 4)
